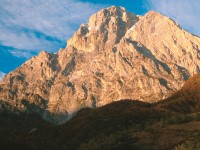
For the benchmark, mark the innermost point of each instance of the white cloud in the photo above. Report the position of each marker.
(185, 12)
(22, 53)
(29, 41)
(41, 24)
(1, 75)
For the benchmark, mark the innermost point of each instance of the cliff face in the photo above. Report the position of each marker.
(117, 55)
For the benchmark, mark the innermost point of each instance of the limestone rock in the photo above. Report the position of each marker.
(104, 30)
(117, 55)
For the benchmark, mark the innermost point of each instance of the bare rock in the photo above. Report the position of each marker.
(117, 55)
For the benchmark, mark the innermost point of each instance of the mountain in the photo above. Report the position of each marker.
(125, 124)
(117, 55)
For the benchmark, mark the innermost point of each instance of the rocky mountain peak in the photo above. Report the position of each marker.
(168, 41)
(105, 28)
(117, 55)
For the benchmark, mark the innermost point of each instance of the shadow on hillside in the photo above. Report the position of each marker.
(126, 124)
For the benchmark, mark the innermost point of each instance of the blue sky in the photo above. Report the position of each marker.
(29, 26)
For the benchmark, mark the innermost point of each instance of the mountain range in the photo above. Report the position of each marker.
(116, 55)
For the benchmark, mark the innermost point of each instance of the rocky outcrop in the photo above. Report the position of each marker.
(117, 55)
(105, 29)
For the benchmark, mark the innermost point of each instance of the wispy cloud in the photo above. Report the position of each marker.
(22, 53)
(41, 24)
(185, 12)
(1, 75)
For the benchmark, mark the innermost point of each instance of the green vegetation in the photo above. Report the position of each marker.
(120, 125)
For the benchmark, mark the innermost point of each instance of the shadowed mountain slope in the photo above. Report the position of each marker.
(187, 99)
(125, 124)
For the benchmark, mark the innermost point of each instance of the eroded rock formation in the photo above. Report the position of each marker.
(117, 55)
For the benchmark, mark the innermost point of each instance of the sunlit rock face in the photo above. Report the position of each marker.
(117, 55)
(104, 30)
